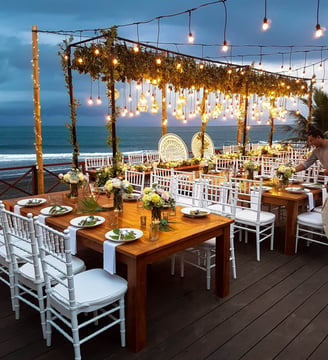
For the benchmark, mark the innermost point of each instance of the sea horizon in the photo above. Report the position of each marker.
(17, 146)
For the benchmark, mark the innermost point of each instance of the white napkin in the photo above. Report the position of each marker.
(42, 218)
(17, 209)
(324, 194)
(311, 201)
(72, 233)
(109, 256)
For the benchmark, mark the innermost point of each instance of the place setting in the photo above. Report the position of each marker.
(123, 235)
(56, 210)
(31, 202)
(195, 212)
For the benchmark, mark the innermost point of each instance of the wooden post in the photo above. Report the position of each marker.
(245, 121)
(271, 119)
(37, 110)
(204, 121)
(309, 118)
(164, 114)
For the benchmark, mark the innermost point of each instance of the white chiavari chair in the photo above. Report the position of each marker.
(136, 179)
(69, 295)
(94, 162)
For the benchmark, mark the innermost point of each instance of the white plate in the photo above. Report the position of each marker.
(31, 202)
(190, 212)
(264, 177)
(312, 185)
(46, 211)
(77, 221)
(264, 188)
(109, 235)
(297, 190)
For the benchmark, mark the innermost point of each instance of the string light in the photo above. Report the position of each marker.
(190, 36)
(266, 22)
(318, 29)
(225, 43)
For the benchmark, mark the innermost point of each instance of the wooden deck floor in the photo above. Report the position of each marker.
(277, 309)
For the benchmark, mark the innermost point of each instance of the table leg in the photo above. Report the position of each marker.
(291, 220)
(136, 325)
(222, 268)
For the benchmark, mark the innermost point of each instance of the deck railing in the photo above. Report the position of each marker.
(23, 180)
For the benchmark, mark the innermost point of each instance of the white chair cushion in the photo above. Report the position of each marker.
(27, 270)
(250, 217)
(92, 287)
(310, 218)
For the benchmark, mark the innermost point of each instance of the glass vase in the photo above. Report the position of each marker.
(156, 214)
(74, 191)
(118, 201)
(250, 174)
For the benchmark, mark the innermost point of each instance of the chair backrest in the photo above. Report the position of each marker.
(189, 175)
(94, 162)
(249, 194)
(187, 192)
(196, 145)
(136, 158)
(19, 235)
(213, 179)
(56, 260)
(152, 156)
(224, 164)
(219, 198)
(172, 147)
(269, 166)
(163, 172)
(136, 179)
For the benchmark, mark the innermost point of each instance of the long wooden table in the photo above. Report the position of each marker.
(138, 254)
(292, 202)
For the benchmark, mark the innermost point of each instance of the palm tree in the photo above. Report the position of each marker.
(319, 117)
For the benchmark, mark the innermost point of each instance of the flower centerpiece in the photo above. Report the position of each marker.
(251, 166)
(155, 199)
(285, 172)
(118, 187)
(75, 178)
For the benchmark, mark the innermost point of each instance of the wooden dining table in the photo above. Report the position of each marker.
(291, 201)
(136, 255)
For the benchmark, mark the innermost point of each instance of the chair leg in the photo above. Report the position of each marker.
(76, 338)
(257, 244)
(297, 235)
(208, 268)
(48, 326)
(16, 300)
(272, 237)
(182, 264)
(122, 321)
(232, 254)
(173, 264)
(42, 310)
(12, 288)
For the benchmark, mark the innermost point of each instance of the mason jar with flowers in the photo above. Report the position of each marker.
(285, 172)
(251, 166)
(75, 178)
(155, 199)
(118, 187)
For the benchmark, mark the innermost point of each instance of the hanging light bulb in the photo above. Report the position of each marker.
(136, 48)
(98, 100)
(90, 101)
(190, 38)
(225, 46)
(318, 31)
(265, 24)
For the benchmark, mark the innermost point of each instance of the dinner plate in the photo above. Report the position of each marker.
(264, 188)
(77, 221)
(46, 210)
(312, 185)
(110, 235)
(31, 202)
(297, 190)
(264, 177)
(195, 212)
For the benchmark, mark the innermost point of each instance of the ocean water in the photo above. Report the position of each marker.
(17, 142)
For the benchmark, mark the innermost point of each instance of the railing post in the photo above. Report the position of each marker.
(34, 180)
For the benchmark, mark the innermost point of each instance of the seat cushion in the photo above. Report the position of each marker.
(310, 218)
(27, 270)
(92, 287)
(250, 217)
